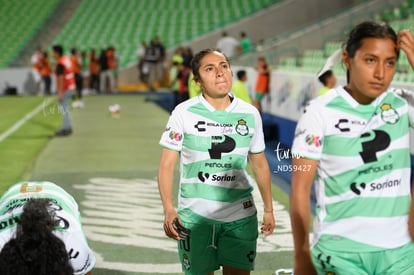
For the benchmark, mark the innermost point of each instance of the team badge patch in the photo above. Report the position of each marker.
(241, 127)
(175, 136)
(389, 114)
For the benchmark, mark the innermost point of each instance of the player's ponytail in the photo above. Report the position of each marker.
(35, 250)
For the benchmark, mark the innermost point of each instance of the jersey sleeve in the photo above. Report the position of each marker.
(172, 137)
(81, 256)
(408, 95)
(257, 144)
(309, 135)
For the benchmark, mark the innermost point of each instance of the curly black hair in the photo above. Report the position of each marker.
(35, 250)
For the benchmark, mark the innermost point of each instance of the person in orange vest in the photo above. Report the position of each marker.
(262, 82)
(65, 86)
(106, 73)
(45, 71)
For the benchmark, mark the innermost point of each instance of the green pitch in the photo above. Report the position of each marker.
(109, 164)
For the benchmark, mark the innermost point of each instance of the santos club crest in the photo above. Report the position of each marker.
(241, 127)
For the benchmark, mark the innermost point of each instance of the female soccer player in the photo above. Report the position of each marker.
(354, 143)
(215, 134)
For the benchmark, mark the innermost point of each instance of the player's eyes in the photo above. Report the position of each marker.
(370, 60)
(391, 63)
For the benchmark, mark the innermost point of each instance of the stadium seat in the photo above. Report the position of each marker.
(124, 24)
(20, 20)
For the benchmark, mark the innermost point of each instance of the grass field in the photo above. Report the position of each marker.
(20, 147)
(109, 164)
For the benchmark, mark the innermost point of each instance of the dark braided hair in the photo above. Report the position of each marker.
(35, 250)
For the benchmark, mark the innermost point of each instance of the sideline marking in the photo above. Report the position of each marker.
(129, 212)
(22, 121)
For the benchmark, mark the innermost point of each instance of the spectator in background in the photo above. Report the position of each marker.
(152, 56)
(187, 56)
(76, 69)
(245, 43)
(173, 80)
(35, 61)
(239, 87)
(174, 68)
(85, 70)
(94, 71)
(113, 62)
(178, 56)
(183, 76)
(160, 48)
(142, 70)
(228, 45)
(106, 77)
(328, 81)
(65, 88)
(48, 237)
(262, 86)
(45, 71)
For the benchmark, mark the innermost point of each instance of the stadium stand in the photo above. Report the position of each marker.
(311, 60)
(124, 24)
(20, 20)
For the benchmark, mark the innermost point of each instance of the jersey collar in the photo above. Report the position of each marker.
(229, 108)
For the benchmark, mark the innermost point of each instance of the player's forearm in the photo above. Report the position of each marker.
(261, 173)
(165, 189)
(165, 178)
(165, 186)
(300, 222)
(300, 213)
(263, 182)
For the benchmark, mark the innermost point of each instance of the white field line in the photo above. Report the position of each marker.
(19, 123)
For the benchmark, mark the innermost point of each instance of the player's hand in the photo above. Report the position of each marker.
(268, 224)
(405, 40)
(406, 43)
(169, 225)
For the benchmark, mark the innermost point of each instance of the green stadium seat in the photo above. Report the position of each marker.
(123, 22)
(20, 19)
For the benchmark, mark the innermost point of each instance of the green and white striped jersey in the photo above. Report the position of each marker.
(69, 228)
(363, 176)
(214, 144)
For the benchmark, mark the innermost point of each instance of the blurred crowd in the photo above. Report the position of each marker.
(92, 71)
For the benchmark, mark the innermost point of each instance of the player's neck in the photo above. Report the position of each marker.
(219, 103)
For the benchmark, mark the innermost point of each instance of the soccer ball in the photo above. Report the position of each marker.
(114, 109)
